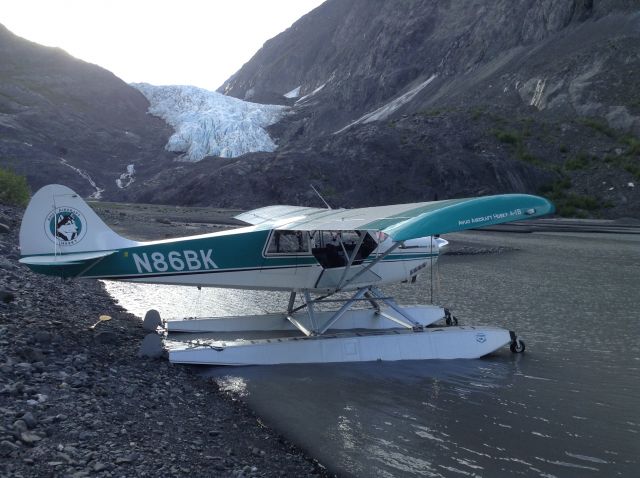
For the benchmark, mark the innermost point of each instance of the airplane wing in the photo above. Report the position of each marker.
(274, 214)
(407, 221)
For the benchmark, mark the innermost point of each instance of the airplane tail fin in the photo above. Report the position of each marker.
(58, 222)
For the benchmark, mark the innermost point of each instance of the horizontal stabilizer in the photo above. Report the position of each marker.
(64, 259)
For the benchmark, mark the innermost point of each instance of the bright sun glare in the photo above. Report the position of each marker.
(188, 42)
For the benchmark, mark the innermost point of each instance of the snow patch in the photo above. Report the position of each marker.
(207, 123)
(293, 93)
(536, 99)
(127, 177)
(386, 110)
(306, 97)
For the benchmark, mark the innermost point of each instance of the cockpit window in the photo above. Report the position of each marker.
(288, 242)
(334, 248)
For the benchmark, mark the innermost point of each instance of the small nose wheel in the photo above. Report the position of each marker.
(517, 346)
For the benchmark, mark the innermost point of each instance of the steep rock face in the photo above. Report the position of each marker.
(396, 170)
(73, 122)
(364, 54)
(421, 157)
(525, 96)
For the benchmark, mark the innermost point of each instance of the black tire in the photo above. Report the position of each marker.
(517, 346)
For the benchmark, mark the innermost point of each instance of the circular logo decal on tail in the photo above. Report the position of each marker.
(66, 226)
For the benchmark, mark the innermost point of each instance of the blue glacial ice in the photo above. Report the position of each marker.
(207, 123)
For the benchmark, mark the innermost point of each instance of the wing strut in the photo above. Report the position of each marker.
(354, 253)
(370, 265)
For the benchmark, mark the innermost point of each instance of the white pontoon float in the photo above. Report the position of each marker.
(384, 332)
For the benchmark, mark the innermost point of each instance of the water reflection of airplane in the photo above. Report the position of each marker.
(312, 253)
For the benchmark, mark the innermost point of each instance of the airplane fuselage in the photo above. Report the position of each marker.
(254, 259)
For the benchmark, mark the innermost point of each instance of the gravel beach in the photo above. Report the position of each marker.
(76, 400)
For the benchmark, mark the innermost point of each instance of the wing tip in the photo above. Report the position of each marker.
(471, 213)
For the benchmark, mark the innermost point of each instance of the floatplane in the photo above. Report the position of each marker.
(316, 254)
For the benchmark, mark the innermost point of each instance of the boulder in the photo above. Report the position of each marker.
(6, 296)
(152, 320)
(151, 347)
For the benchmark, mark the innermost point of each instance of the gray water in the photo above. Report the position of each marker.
(569, 406)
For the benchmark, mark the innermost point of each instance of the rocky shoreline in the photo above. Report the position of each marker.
(76, 400)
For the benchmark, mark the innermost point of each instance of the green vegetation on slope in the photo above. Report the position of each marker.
(13, 188)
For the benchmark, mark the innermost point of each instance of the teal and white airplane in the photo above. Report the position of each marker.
(308, 252)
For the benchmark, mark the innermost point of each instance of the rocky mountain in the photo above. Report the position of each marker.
(353, 58)
(383, 100)
(396, 100)
(65, 120)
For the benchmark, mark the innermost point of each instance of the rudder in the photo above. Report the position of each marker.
(58, 221)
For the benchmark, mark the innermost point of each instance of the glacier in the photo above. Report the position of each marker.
(208, 123)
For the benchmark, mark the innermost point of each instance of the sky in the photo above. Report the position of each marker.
(162, 42)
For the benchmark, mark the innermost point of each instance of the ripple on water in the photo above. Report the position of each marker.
(586, 458)
(425, 432)
(567, 464)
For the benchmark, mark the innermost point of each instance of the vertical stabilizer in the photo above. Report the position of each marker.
(58, 221)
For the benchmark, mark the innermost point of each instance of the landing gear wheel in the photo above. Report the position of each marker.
(451, 320)
(517, 346)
